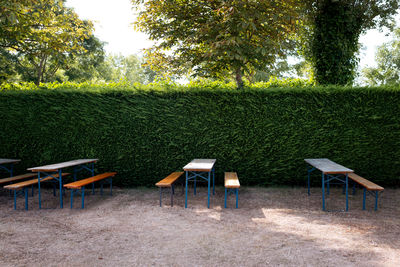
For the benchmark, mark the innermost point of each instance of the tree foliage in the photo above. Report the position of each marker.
(41, 36)
(331, 32)
(387, 71)
(216, 38)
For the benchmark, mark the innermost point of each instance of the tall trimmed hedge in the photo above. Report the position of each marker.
(263, 134)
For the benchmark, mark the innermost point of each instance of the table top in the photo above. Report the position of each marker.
(204, 165)
(57, 166)
(327, 166)
(6, 161)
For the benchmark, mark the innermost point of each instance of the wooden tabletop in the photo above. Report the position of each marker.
(6, 161)
(200, 165)
(327, 166)
(57, 166)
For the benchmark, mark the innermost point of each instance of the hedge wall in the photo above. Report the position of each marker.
(263, 134)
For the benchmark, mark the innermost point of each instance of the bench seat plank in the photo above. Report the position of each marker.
(231, 180)
(81, 183)
(17, 177)
(366, 183)
(31, 182)
(169, 180)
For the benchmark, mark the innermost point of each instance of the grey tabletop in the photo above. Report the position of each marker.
(57, 166)
(6, 161)
(327, 166)
(200, 165)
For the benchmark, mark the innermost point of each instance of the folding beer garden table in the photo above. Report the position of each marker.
(331, 171)
(200, 168)
(54, 169)
(8, 165)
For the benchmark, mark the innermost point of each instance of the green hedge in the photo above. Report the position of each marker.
(263, 134)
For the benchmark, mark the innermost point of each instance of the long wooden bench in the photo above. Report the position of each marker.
(22, 187)
(232, 185)
(168, 182)
(17, 178)
(369, 187)
(80, 185)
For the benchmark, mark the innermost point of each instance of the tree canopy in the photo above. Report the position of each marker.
(217, 38)
(331, 32)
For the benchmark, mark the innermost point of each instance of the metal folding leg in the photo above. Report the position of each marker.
(229, 191)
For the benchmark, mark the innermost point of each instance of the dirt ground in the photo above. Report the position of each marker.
(273, 226)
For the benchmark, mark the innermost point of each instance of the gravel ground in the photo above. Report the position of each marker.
(273, 226)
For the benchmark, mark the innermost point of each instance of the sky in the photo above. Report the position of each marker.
(113, 25)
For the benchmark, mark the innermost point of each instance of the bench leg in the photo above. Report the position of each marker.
(376, 200)
(15, 199)
(237, 197)
(72, 198)
(160, 195)
(92, 188)
(186, 189)
(213, 170)
(54, 189)
(26, 198)
(364, 197)
(327, 187)
(209, 191)
(83, 196)
(110, 186)
(172, 195)
(101, 189)
(194, 186)
(226, 192)
(323, 191)
(32, 191)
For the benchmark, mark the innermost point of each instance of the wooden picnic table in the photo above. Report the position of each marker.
(8, 162)
(52, 169)
(200, 168)
(328, 168)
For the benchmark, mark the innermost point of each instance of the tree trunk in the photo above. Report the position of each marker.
(239, 80)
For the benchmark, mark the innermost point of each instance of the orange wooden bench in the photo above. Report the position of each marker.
(80, 185)
(22, 187)
(232, 185)
(17, 178)
(369, 187)
(169, 182)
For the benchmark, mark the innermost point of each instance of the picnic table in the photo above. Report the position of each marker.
(53, 169)
(8, 165)
(331, 171)
(200, 168)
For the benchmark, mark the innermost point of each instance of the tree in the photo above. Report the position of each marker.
(387, 58)
(331, 32)
(216, 38)
(42, 35)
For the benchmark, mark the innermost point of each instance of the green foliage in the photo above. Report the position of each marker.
(144, 133)
(217, 38)
(387, 58)
(331, 32)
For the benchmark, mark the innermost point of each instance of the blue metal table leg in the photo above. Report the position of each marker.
(327, 186)
(209, 182)
(26, 198)
(376, 200)
(237, 197)
(347, 192)
(61, 189)
(194, 187)
(226, 192)
(364, 197)
(40, 199)
(83, 196)
(323, 191)
(213, 170)
(186, 189)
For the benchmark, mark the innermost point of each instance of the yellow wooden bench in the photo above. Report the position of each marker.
(368, 187)
(80, 185)
(17, 178)
(168, 182)
(22, 187)
(232, 185)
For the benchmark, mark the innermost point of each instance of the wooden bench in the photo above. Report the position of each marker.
(22, 187)
(80, 185)
(17, 178)
(232, 185)
(169, 182)
(369, 187)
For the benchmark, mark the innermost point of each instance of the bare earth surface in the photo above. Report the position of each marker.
(273, 226)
